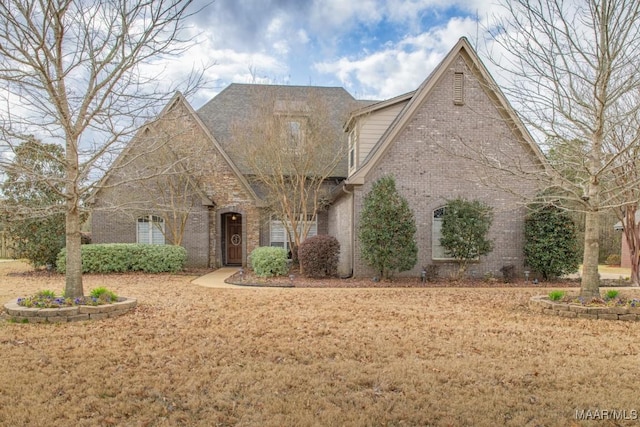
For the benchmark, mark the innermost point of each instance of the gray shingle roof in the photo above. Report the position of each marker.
(235, 103)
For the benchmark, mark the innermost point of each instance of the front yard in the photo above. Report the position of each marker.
(274, 357)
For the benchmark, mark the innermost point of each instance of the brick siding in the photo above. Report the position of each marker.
(428, 172)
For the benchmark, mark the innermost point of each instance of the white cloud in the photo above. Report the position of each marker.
(329, 16)
(400, 67)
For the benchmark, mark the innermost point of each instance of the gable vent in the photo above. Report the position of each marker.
(458, 88)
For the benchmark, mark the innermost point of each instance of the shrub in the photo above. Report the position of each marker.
(432, 273)
(556, 295)
(387, 230)
(508, 273)
(551, 246)
(126, 257)
(465, 227)
(267, 261)
(613, 259)
(319, 256)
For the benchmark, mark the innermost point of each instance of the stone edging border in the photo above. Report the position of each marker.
(20, 314)
(543, 305)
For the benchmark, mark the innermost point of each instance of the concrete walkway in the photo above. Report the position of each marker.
(216, 278)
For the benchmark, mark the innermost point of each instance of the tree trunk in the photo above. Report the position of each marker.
(73, 275)
(631, 232)
(635, 272)
(590, 285)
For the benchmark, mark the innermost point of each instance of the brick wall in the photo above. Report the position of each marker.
(429, 160)
(116, 208)
(340, 226)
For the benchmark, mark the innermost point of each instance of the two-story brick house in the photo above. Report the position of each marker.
(433, 141)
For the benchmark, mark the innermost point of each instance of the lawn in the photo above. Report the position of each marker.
(197, 356)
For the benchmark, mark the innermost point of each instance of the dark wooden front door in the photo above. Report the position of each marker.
(234, 239)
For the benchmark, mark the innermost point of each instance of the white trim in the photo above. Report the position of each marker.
(279, 234)
(150, 230)
(438, 253)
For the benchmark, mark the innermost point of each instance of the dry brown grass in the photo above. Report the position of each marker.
(302, 357)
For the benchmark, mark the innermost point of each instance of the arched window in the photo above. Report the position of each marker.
(150, 230)
(437, 251)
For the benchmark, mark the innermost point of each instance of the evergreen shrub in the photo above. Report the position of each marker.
(268, 261)
(127, 257)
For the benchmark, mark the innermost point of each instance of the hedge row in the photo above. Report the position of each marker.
(126, 257)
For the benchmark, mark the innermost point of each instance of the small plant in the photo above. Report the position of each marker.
(103, 294)
(611, 294)
(46, 293)
(613, 260)
(48, 299)
(556, 295)
(488, 276)
(432, 272)
(508, 273)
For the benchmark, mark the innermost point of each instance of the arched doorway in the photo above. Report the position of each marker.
(232, 239)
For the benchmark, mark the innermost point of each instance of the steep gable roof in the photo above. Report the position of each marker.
(235, 104)
(464, 49)
(178, 99)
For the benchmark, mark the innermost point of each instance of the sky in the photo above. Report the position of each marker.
(376, 49)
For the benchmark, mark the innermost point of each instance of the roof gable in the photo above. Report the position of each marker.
(178, 101)
(237, 103)
(461, 49)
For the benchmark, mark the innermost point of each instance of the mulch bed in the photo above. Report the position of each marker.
(298, 281)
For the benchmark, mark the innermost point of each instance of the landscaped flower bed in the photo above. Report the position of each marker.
(594, 308)
(45, 306)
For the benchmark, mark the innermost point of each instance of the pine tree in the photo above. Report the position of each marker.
(387, 230)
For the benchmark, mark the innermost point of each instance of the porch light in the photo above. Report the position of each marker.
(233, 217)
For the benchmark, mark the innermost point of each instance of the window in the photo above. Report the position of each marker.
(352, 149)
(279, 234)
(150, 230)
(293, 135)
(437, 251)
(458, 88)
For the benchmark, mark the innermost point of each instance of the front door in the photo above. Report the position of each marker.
(233, 239)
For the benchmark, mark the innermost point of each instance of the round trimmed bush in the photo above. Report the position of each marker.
(319, 256)
(267, 261)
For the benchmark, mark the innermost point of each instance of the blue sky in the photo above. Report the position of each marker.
(376, 49)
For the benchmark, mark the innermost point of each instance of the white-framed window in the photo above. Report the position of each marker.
(150, 229)
(279, 232)
(353, 140)
(437, 251)
(458, 88)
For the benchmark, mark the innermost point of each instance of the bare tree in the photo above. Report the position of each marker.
(626, 179)
(81, 74)
(160, 171)
(574, 73)
(290, 147)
